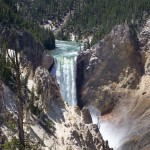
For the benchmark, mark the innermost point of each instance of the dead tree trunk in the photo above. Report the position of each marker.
(19, 101)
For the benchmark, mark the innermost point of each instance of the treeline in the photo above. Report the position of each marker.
(10, 17)
(45, 9)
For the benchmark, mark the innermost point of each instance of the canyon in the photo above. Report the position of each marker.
(95, 98)
(49, 123)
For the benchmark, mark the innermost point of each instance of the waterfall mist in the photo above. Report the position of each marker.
(110, 132)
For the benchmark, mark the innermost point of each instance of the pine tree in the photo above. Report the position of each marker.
(15, 67)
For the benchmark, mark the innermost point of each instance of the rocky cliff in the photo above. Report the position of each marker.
(113, 76)
(23, 41)
(139, 131)
(58, 126)
(115, 59)
(73, 128)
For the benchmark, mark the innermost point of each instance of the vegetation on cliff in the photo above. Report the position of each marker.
(41, 10)
(17, 120)
(99, 16)
(11, 18)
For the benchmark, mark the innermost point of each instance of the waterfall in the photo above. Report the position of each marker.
(65, 56)
(66, 74)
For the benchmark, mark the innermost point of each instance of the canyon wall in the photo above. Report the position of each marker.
(115, 59)
(113, 76)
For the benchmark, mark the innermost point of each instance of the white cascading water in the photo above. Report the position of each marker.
(65, 56)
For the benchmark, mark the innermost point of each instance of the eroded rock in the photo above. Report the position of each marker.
(47, 61)
(86, 117)
(50, 92)
(115, 59)
(24, 41)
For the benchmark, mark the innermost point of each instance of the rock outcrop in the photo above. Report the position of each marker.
(47, 61)
(139, 110)
(23, 41)
(115, 59)
(73, 128)
(50, 93)
(86, 116)
(76, 134)
(85, 137)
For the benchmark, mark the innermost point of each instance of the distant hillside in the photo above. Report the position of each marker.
(86, 17)
(99, 16)
(45, 9)
(89, 16)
